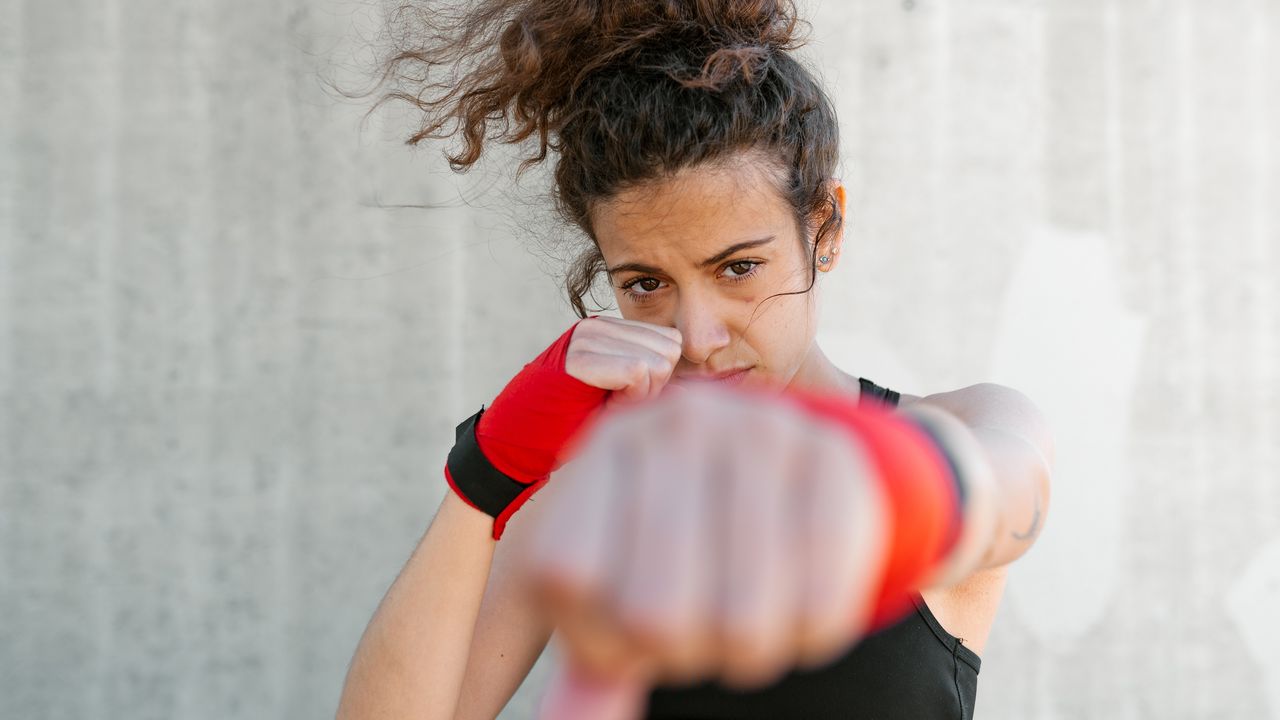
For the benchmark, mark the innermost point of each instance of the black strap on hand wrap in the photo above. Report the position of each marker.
(482, 484)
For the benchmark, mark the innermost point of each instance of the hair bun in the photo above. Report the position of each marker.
(763, 22)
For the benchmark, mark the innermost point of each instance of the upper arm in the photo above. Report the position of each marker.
(511, 631)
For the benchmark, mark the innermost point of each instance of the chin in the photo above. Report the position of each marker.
(761, 380)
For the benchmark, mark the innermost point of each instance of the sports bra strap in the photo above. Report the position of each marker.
(872, 392)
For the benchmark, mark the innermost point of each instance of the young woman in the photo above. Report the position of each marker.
(740, 528)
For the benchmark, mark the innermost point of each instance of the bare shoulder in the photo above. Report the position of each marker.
(994, 406)
(907, 398)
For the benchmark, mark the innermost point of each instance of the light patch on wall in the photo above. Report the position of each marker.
(1251, 604)
(868, 356)
(1067, 341)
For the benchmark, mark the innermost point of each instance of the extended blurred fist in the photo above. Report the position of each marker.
(710, 533)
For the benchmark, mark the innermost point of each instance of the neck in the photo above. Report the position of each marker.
(818, 374)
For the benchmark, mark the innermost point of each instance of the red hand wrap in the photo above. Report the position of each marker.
(525, 428)
(923, 505)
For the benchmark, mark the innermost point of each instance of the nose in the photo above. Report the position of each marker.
(702, 327)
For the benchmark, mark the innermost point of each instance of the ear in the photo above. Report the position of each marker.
(830, 246)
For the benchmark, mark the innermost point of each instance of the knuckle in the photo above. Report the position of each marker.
(586, 331)
(688, 662)
(580, 339)
(675, 349)
(817, 647)
(666, 331)
(637, 368)
(659, 628)
(744, 638)
(752, 668)
(651, 632)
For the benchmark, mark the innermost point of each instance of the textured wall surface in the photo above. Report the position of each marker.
(231, 360)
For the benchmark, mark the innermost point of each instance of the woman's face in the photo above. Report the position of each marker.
(703, 252)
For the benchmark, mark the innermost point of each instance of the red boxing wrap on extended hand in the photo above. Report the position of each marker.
(923, 505)
(525, 428)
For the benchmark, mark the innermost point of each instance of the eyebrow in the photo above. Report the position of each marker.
(736, 247)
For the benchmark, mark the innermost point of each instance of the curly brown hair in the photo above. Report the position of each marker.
(623, 91)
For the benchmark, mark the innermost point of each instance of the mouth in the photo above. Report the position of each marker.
(732, 377)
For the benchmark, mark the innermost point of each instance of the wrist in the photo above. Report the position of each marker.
(537, 414)
(504, 454)
(456, 505)
(479, 483)
(976, 489)
(920, 495)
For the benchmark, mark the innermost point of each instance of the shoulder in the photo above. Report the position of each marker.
(994, 406)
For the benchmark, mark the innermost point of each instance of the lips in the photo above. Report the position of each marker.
(730, 377)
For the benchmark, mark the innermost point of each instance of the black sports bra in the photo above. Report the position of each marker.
(913, 670)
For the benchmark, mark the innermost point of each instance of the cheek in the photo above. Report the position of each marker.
(786, 333)
(777, 336)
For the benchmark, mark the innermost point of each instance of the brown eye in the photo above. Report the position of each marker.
(742, 268)
(639, 281)
(641, 288)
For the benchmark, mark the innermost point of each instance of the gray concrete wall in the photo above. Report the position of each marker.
(229, 372)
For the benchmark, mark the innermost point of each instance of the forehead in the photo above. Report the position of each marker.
(693, 213)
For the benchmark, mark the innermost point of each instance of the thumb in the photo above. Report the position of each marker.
(574, 695)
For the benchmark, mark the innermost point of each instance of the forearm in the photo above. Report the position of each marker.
(1023, 480)
(412, 656)
(1014, 442)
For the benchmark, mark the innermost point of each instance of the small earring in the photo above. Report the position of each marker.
(823, 259)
